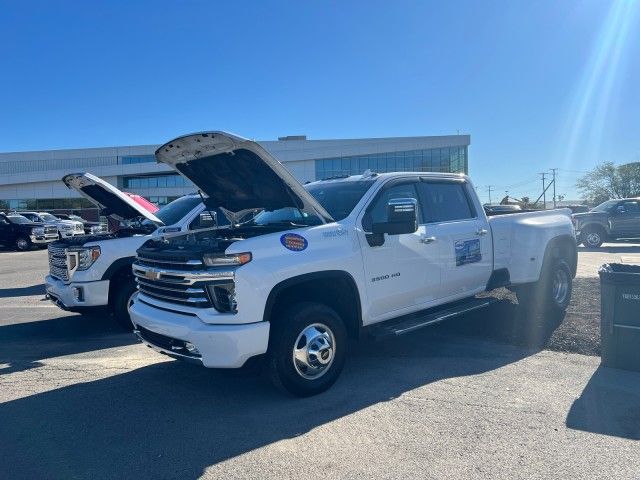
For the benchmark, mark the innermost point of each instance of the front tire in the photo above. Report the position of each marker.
(122, 300)
(307, 349)
(23, 244)
(552, 293)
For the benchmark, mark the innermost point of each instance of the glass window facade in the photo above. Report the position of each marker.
(446, 159)
(45, 203)
(130, 160)
(155, 181)
(161, 200)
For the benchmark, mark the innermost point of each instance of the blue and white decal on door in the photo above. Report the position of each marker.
(467, 251)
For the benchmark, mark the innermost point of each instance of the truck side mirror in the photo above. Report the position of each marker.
(402, 217)
(620, 209)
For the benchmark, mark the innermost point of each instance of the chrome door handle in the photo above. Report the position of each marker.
(481, 231)
(427, 239)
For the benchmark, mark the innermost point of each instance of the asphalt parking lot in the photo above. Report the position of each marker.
(490, 395)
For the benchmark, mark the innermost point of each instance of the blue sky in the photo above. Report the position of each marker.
(537, 84)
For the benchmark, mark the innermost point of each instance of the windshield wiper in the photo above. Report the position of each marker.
(287, 223)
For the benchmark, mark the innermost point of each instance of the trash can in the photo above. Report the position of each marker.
(620, 315)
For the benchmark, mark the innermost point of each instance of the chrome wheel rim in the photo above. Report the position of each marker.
(560, 287)
(593, 238)
(22, 244)
(314, 351)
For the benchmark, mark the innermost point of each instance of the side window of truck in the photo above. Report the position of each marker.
(445, 202)
(378, 211)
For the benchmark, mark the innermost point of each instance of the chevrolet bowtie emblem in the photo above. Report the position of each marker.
(152, 274)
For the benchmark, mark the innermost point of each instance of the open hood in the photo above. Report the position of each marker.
(112, 201)
(237, 174)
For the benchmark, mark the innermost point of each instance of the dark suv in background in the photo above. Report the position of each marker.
(21, 233)
(609, 221)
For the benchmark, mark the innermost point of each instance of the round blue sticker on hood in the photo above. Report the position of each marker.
(293, 241)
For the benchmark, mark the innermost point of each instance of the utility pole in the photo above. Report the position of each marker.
(489, 189)
(544, 189)
(554, 186)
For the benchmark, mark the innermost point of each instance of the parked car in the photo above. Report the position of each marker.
(21, 233)
(610, 221)
(383, 253)
(94, 272)
(66, 228)
(90, 228)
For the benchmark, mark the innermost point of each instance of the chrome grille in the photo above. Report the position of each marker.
(176, 286)
(50, 229)
(58, 262)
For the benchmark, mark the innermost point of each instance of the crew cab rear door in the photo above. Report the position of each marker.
(402, 272)
(461, 231)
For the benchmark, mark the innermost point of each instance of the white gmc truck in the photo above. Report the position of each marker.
(387, 253)
(94, 271)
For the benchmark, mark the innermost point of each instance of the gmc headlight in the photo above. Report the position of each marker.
(82, 258)
(37, 231)
(212, 260)
(96, 229)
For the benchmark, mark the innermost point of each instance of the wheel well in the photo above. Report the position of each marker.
(336, 289)
(122, 273)
(565, 248)
(594, 226)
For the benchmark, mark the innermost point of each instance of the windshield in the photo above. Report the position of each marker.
(605, 206)
(173, 212)
(18, 219)
(286, 215)
(47, 217)
(339, 198)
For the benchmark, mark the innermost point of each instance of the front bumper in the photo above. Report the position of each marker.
(41, 239)
(218, 346)
(94, 294)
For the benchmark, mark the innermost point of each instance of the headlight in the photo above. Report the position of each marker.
(82, 258)
(38, 231)
(96, 229)
(66, 227)
(212, 260)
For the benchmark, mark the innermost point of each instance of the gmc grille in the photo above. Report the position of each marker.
(58, 262)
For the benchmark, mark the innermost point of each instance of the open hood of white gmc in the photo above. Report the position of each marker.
(114, 202)
(237, 174)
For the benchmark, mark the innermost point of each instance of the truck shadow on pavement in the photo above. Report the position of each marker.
(609, 405)
(23, 345)
(172, 419)
(22, 291)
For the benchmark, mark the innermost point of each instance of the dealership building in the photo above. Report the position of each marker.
(31, 180)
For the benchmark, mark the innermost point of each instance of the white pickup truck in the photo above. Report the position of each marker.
(94, 271)
(387, 253)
